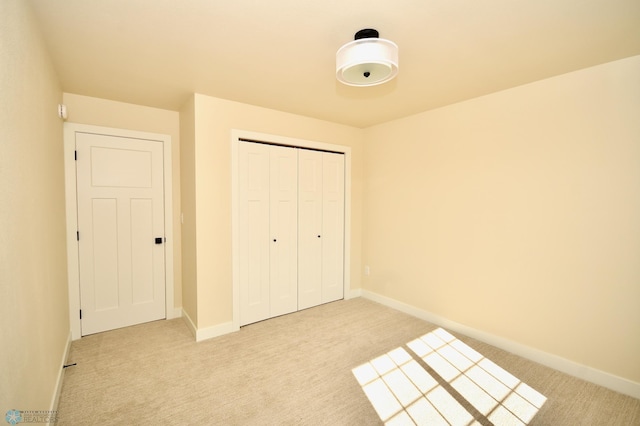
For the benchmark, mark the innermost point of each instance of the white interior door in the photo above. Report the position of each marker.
(120, 194)
(332, 227)
(283, 222)
(310, 229)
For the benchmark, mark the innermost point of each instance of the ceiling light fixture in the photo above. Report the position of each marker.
(367, 60)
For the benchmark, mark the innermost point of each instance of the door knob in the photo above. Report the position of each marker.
(158, 240)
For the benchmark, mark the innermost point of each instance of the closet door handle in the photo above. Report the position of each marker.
(274, 240)
(318, 236)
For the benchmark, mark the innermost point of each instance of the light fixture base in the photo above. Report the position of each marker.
(366, 33)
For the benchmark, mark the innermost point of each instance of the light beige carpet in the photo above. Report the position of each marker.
(291, 370)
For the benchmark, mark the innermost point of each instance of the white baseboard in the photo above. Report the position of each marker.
(175, 313)
(215, 331)
(353, 293)
(602, 378)
(55, 399)
(187, 320)
(209, 332)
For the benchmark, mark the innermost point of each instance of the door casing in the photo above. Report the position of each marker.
(70, 130)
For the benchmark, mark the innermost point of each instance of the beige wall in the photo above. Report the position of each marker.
(518, 214)
(188, 204)
(102, 112)
(214, 120)
(34, 318)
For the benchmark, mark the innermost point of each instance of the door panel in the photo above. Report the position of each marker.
(120, 168)
(254, 232)
(141, 234)
(284, 230)
(332, 227)
(120, 212)
(310, 229)
(105, 256)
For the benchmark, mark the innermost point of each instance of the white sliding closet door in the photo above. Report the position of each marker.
(290, 229)
(254, 236)
(321, 228)
(284, 230)
(268, 226)
(332, 227)
(310, 229)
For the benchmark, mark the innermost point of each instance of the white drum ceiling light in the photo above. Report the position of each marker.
(367, 60)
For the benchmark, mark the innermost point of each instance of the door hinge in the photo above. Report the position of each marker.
(80, 313)
(75, 155)
(77, 235)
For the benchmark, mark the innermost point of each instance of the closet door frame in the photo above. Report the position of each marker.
(237, 136)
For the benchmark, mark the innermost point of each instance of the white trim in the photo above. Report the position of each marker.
(70, 130)
(209, 332)
(55, 399)
(215, 331)
(356, 292)
(599, 377)
(236, 135)
(190, 324)
(72, 227)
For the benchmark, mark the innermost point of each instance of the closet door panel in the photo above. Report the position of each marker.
(254, 232)
(284, 230)
(310, 229)
(332, 227)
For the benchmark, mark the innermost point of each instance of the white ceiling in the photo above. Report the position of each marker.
(280, 54)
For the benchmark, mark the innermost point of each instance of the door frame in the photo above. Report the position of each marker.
(236, 137)
(73, 270)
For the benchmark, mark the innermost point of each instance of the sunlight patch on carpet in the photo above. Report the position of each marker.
(429, 382)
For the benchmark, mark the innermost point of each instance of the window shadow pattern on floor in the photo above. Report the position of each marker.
(439, 380)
